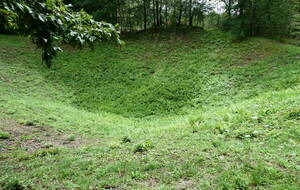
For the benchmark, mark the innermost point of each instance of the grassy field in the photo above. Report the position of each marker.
(186, 110)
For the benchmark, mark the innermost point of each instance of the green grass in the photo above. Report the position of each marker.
(170, 110)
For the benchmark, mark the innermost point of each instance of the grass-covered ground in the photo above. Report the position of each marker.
(179, 110)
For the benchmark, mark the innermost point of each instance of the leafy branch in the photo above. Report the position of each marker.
(51, 22)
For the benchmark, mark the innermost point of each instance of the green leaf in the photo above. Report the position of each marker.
(42, 18)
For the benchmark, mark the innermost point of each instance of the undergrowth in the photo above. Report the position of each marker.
(170, 110)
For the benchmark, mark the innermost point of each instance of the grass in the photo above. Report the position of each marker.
(170, 110)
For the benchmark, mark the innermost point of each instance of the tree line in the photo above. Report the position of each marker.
(52, 22)
(134, 15)
(49, 23)
(259, 17)
(242, 17)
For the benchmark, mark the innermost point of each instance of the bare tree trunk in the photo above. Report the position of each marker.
(145, 15)
(166, 13)
(154, 21)
(180, 13)
(253, 18)
(160, 13)
(191, 13)
(269, 15)
(229, 7)
(157, 14)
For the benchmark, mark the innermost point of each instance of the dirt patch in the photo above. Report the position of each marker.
(183, 184)
(31, 138)
(247, 60)
(152, 183)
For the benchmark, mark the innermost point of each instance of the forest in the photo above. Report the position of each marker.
(150, 94)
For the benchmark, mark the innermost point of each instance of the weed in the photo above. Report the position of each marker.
(28, 122)
(26, 137)
(13, 184)
(143, 147)
(241, 101)
(4, 135)
(294, 115)
(38, 153)
(71, 138)
(45, 152)
(126, 139)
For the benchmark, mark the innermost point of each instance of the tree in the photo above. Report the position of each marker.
(259, 17)
(50, 23)
(190, 12)
(180, 12)
(145, 13)
(138, 14)
(228, 6)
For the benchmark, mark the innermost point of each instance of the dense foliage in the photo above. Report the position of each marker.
(143, 14)
(178, 108)
(244, 134)
(50, 22)
(243, 17)
(259, 17)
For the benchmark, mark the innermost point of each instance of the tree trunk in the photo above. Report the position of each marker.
(145, 15)
(166, 14)
(268, 24)
(253, 18)
(229, 8)
(191, 13)
(117, 11)
(180, 13)
(157, 14)
(160, 13)
(154, 21)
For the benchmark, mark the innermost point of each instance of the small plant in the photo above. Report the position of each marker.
(257, 119)
(244, 134)
(139, 148)
(39, 153)
(137, 175)
(195, 123)
(216, 144)
(126, 139)
(45, 152)
(24, 156)
(47, 145)
(143, 147)
(233, 179)
(3, 156)
(71, 138)
(195, 120)
(13, 184)
(4, 135)
(114, 145)
(295, 115)
(26, 137)
(222, 129)
(28, 122)
(194, 129)
(11, 112)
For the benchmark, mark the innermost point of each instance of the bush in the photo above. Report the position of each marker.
(261, 19)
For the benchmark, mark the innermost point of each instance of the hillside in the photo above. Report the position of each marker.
(190, 110)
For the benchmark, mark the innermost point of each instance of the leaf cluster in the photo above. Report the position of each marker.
(51, 22)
